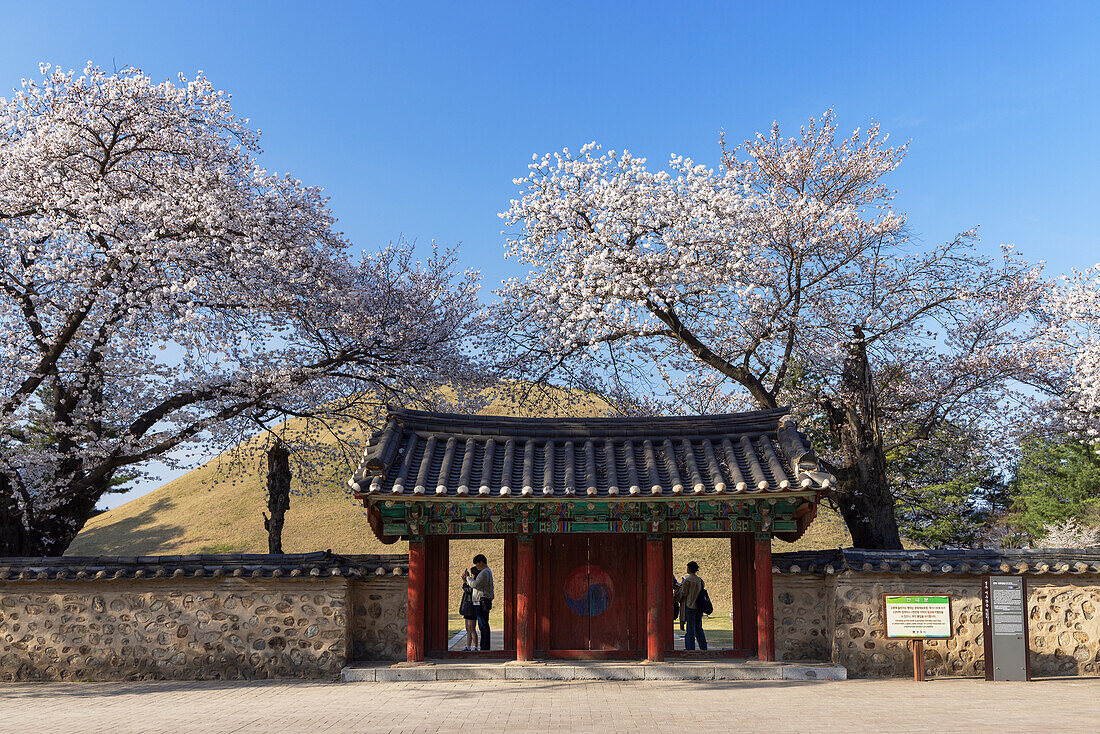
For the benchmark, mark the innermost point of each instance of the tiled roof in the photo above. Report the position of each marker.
(448, 455)
(978, 561)
(248, 565)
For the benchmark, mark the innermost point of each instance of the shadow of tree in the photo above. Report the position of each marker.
(142, 534)
(1083, 662)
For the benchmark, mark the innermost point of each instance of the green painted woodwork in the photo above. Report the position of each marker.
(416, 517)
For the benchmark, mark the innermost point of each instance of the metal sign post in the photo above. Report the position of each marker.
(1004, 623)
(917, 618)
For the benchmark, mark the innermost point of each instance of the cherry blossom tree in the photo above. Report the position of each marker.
(784, 277)
(1070, 534)
(160, 292)
(1073, 335)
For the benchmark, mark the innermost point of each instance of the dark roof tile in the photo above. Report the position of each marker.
(450, 455)
(962, 561)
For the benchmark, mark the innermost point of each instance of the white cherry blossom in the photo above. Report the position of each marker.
(159, 289)
(766, 281)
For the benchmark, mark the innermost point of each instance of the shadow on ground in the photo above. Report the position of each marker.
(139, 535)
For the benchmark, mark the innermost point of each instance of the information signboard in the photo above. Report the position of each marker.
(1004, 613)
(917, 617)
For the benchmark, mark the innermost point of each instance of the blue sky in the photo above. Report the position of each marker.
(415, 117)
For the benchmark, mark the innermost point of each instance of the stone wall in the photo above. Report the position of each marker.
(378, 613)
(839, 618)
(241, 616)
(306, 616)
(175, 629)
(802, 621)
(1064, 627)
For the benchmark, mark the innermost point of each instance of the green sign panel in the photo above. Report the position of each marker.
(917, 616)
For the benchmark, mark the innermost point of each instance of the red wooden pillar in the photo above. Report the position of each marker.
(667, 622)
(525, 598)
(437, 565)
(765, 611)
(414, 650)
(655, 591)
(738, 583)
(744, 592)
(509, 592)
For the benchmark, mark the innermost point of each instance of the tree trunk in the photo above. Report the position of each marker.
(278, 495)
(863, 492)
(14, 538)
(867, 506)
(46, 534)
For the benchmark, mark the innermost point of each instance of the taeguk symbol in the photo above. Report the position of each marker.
(589, 591)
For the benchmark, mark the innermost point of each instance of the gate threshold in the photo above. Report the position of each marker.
(728, 670)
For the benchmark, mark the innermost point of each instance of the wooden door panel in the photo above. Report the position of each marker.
(613, 592)
(567, 603)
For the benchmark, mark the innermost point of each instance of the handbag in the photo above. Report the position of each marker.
(466, 606)
(702, 603)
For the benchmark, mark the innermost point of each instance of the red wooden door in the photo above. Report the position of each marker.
(594, 593)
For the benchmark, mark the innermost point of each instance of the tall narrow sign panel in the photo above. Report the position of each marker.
(1004, 618)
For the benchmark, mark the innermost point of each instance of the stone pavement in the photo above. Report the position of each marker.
(483, 707)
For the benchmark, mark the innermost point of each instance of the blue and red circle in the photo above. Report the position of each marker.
(589, 591)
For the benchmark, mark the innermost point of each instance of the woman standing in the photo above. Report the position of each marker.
(469, 612)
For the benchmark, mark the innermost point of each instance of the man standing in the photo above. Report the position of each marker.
(482, 586)
(688, 596)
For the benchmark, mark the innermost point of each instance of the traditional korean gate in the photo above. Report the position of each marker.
(593, 594)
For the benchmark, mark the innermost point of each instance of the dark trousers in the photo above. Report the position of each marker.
(694, 630)
(483, 637)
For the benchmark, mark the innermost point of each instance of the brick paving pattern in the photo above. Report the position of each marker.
(483, 707)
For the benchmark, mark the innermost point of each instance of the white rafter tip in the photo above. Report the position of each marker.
(634, 489)
(505, 490)
(613, 489)
(677, 488)
(655, 489)
(720, 487)
(761, 485)
(548, 490)
(570, 490)
(700, 488)
(483, 490)
(418, 489)
(784, 484)
(527, 489)
(806, 482)
(591, 491)
(826, 484)
(741, 486)
(398, 489)
(440, 489)
(463, 489)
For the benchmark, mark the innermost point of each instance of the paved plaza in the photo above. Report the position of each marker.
(544, 706)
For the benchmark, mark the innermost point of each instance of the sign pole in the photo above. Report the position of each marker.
(918, 659)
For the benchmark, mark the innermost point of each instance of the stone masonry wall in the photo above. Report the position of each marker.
(839, 618)
(802, 611)
(1064, 628)
(378, 614)
(860, 646)
(173, 628)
